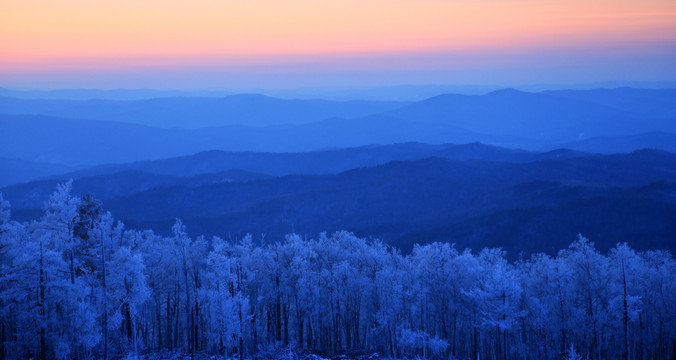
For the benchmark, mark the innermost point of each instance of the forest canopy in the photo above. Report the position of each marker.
(77, 284)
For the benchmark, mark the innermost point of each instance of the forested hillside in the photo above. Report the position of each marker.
(474, 195)
(78, 284)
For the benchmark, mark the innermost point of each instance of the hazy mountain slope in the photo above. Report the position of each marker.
(16, 170)
(507, 118)
(540, 116)
(547, 116)
(109, 181)
(249, 165)
(112, 94)
(645, 103)
(623, 144)
(402, 92)
(193, 112)
(122, 183)
(317, 162)
(90, 142)
(613, 170)
(87, 142)
(381, 129)
(35, 193)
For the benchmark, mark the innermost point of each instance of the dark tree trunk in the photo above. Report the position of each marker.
(278, 313)
(41, 305)
(625, 315)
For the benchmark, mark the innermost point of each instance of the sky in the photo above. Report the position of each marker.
(221, 44)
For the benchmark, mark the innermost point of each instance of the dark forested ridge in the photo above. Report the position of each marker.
(473, 195)
(78, 284)
(129, 178)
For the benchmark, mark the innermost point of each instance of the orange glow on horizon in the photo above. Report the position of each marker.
(51, 34)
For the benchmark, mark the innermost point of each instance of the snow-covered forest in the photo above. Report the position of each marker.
(76, 284)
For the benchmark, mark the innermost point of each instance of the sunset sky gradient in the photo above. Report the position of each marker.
(293, 43)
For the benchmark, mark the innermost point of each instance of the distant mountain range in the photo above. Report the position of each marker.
(548, 114)
(598, 121)
(46, 139)
(402, 92)
(551, 116)
(647, 103)
(86, 142)
(508, 118)
(112, 94)
(196, 112)
(475, 195)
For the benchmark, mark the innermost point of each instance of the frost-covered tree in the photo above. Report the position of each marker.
(572, 354)
(592, 282)
(76, 284)
(226, 305)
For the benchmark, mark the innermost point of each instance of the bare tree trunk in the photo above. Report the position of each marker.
(278, 312)
(625, 315)
(300, 331)
(169, 321)
(239, 306)
(196, 323)
(105, 299)
(3, 352)
(135, 339)
(41, 305)
(188, 310)
(504, 332)
(285, 309)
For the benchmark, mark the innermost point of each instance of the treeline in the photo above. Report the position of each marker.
(77, 285)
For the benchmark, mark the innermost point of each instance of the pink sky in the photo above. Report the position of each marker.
(171, 43)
